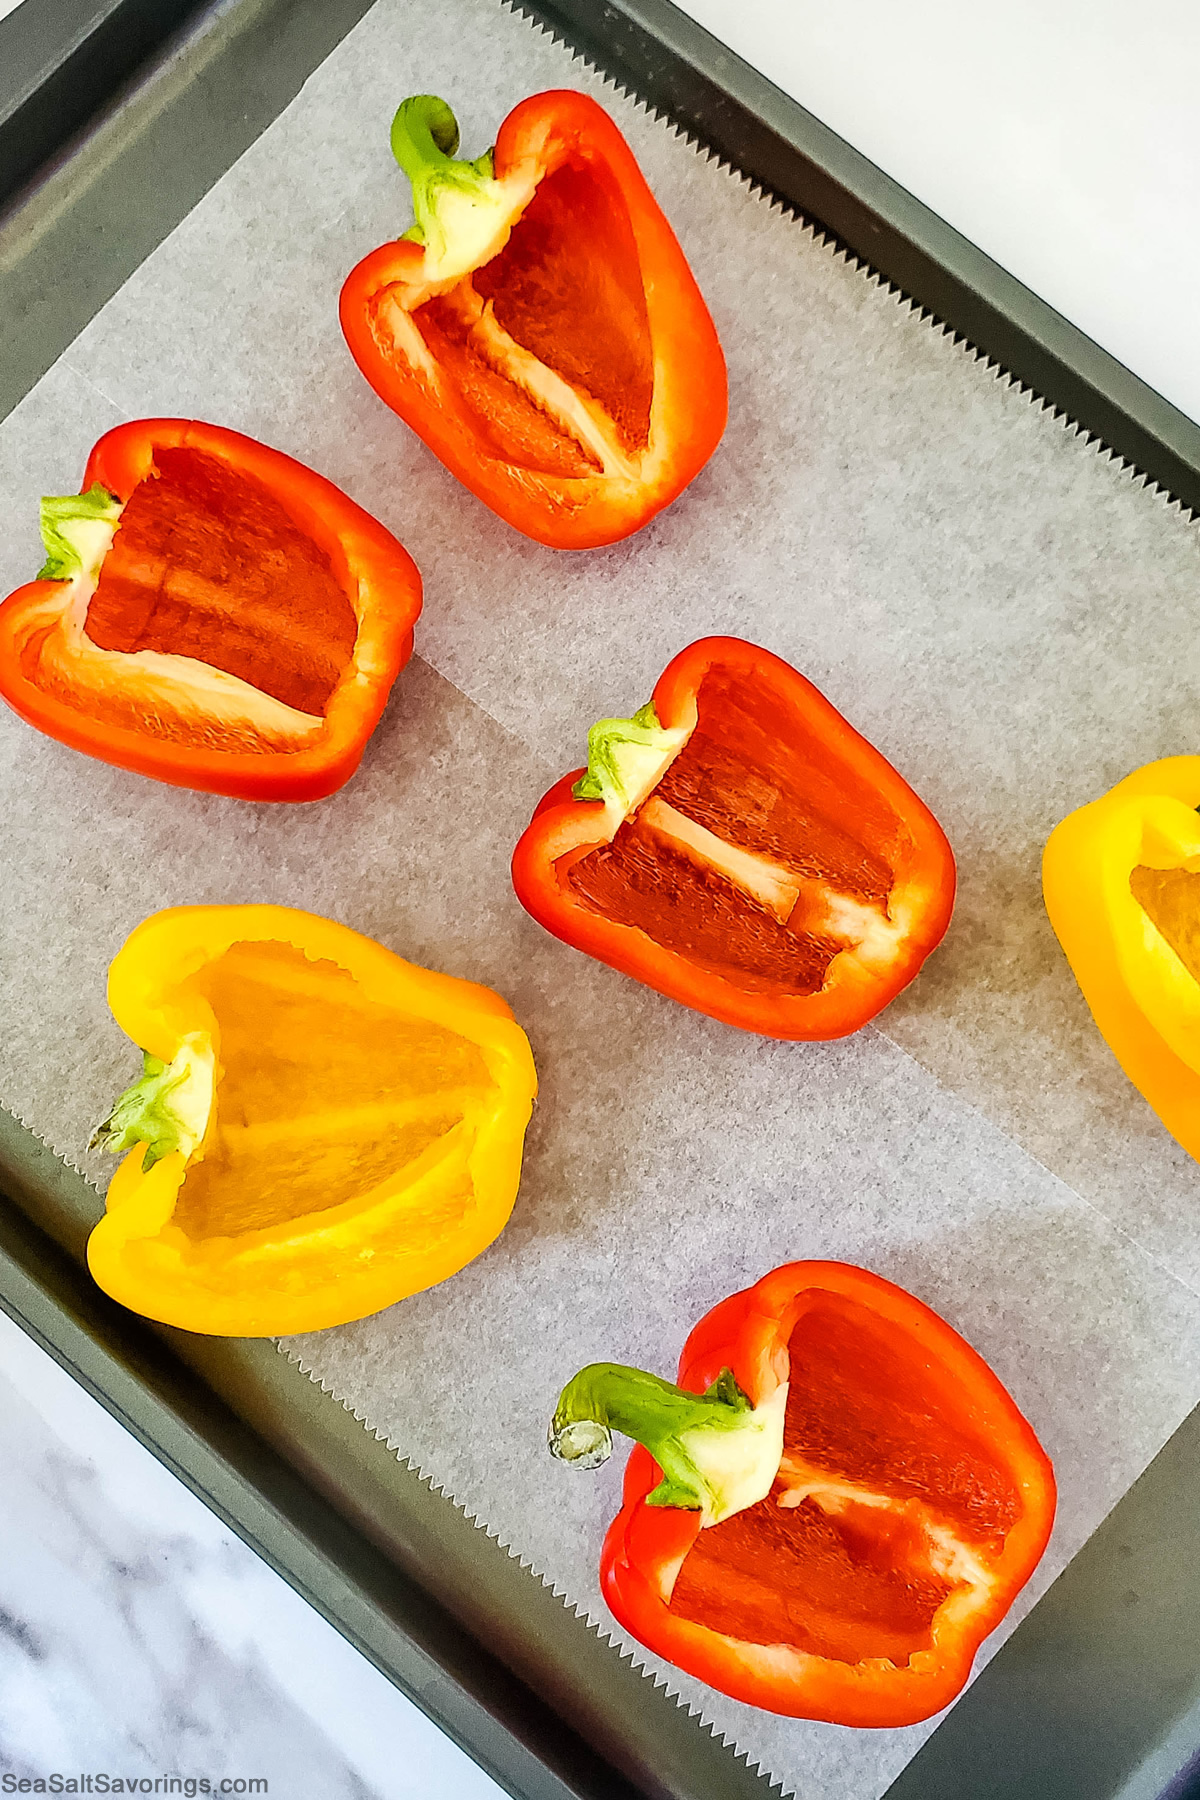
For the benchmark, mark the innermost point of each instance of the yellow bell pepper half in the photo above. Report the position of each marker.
(1122, 884)
(321, 1130)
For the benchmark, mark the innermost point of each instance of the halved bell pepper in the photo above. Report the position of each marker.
(212, 614)
(738, 846)
(321, 1129)
(539, 326)
(833, 1508)
(1121, 878)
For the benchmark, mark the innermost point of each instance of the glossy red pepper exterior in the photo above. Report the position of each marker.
(223, 618)
(913, 1503)
(746, 852)
(540, 328)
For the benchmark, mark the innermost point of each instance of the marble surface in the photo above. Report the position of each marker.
(140, 1637)
(1060, 137)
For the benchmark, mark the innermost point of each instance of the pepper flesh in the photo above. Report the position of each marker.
(539, 327)
(1121, 879)
(910, 1505)
(230, 621)
(323, 1128)
(757, 860)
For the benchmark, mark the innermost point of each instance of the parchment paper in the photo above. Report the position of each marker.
(1003, 611)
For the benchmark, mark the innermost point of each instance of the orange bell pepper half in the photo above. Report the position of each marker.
(738, 846)
(539, 326)
(1121, 878)
(211, 614)
(321, 1128)
(833, 1508)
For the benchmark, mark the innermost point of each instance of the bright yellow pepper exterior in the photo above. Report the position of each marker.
(330, 1128)
(1122, 884)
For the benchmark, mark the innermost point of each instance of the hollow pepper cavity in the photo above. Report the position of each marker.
(321, 1128)
(1121, 878)
(539, 326)
(212, 614)
(738, 846)
(830, 1511)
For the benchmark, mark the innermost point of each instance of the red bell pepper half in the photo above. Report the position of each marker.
(539, 326)
(212, 614)
(830, 1512)
(738, 846)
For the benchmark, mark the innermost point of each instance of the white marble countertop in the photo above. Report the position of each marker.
(1058, 135)
(140, 1638)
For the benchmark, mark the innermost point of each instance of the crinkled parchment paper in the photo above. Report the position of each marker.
(1003, 611)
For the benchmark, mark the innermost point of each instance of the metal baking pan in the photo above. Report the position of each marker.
(1098, 1692)
(60, 60)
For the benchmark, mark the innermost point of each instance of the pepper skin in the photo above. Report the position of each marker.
(321, 1130)
(216, 616)
(1121, 878)
(751, 855)
(539, 326)
(854, 1581)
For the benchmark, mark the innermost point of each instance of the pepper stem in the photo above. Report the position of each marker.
(424, 139)
(77, 530)
(167, 1110)
(627, 758)
(717, 1453)
(424, 133)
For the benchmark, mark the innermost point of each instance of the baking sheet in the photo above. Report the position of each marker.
(997, 606)
(1001, 610)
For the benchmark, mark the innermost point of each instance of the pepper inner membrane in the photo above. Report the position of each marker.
(322, 1095)
(207, 563)
(888, 1499)
(567, 288)
(753, 775)
(1170, 898)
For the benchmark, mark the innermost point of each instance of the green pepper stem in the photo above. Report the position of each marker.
(77, 530)
(424, 134)
(424, 140)
(167, 1110)
(626, 759)
(680, 1430)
